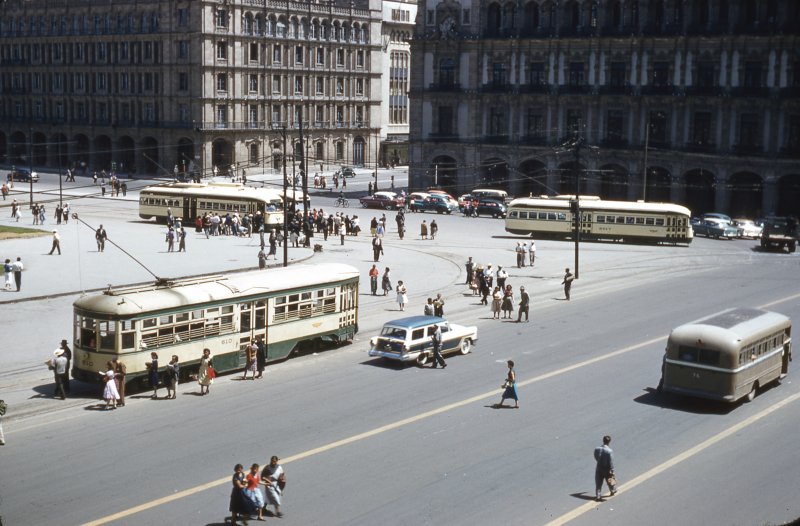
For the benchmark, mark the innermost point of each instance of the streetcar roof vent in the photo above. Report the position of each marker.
(164, 282)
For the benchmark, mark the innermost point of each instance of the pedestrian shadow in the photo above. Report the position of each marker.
(97, 407)
(582, 496)
(686, 404)
(498, 406)
(395, 365)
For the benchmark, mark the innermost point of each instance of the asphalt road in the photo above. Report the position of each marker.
(366, 443)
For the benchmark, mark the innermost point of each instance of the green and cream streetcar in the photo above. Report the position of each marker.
(189, 200)
(288, 307)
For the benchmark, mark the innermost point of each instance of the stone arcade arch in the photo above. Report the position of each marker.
(659, 185)
(568, 180)
(126, 154)
(443, 172)
(533, 177)
(746, 192)
(39, 149)
(789, 195)
(614, 180)
(700, 191)
(61, 149)
(102, 152)
(82, 151)
(222, 155)
(3, 147)
(185, 151)
(18, 148)
(494, 173)
(150, 159)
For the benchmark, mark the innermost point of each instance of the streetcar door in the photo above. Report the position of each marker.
(260, 323)
(189, 209)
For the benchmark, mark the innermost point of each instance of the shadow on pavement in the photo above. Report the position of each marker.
(686, 404)
(388, 364)
(582, 495)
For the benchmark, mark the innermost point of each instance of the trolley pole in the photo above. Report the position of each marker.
(285, 201)
(577, 201)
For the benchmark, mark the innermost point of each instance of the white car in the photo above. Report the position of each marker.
(747, 228)
(411, 339)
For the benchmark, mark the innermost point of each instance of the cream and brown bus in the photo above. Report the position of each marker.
(727, 356)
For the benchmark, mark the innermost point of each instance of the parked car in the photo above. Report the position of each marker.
(719, 217)
(348, 172)
(747, 228)
(416, 201)
(490, 193)
(441, 204)
(433, 191)
(714, 228)
(410, 339)
(23, 175)
(490, 207)
(385, 200)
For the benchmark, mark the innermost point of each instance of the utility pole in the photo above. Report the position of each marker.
(285, 204)
(377, 147)
(575, 206)
(644, 172)
(303, 166)
(30, 163)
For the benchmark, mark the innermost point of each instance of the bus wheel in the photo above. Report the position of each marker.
(466, 345)
(752, 394)
(422, 359)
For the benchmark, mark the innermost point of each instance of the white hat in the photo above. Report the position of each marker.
(58, 352)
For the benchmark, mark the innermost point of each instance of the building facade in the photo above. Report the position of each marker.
(399, 18)
(150, 85)
(502, 89)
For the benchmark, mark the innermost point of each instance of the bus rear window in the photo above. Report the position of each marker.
(697, 355)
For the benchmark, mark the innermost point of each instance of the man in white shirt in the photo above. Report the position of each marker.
(18, 267)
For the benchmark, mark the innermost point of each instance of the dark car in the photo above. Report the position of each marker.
(490, 207)
(348, 172)
(385, 200)
(714, 228)
(441, 204)
(23, 175)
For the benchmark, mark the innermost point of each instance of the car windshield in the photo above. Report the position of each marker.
(394, 332)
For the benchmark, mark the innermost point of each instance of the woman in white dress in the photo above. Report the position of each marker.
(110, 392)
(204, 375)
(402, 297)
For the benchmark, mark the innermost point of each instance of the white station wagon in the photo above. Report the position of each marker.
(411, 339)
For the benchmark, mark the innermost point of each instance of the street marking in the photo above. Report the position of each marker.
(443, 409)
(674, 461)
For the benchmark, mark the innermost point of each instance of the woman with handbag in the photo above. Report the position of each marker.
(205, 374)
(402, 296)
(510, 386)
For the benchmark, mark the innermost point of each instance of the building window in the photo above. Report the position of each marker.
(339, 151)
(319, 115)
(183, 81)
(339, 115)
(320, 56)
(340, 58)
(752, 75)
(276, 54)
(614, 125)
(339, 86)
(749, 129)
(124, 50)
(445, 120)
(253, 83)
(276, 84)
(252, 114)
(360, 58)
(793, 134)
(298, 55)
(618, 74)
(148, 51)
(497, 121)
(222, 51)
(360, 87)
(465, 17)
(536, 75)
(298, 85)
(498, 74)
(447, 72)
(661, 74)
(535, 123)
(183, 49)
(183, 112)
(221, 18)
(276, 114)
(574, 120)
(222, 116)
(701, 129)
(320, 86)
(576, 75)
(705, 74)
(658, 127)
(183, 17)
(102, 51)
(253, 52)
(222, 82)
(430, 17)
(100, 81)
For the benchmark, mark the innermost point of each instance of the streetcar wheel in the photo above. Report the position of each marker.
(752, 394)
(466, 345)
(422, 359)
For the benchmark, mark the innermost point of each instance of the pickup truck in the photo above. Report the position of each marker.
(780, 232)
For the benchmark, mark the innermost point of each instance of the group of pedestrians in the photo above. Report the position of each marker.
(247, 498)
(12, 271)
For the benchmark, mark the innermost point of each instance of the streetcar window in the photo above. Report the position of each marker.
(650, 221)
(305, 296)
(659, 221)
(184, 316)
(551, 216)
(227, 309)
(562, 216)
(630, 220)
(108, 335)
(600, 219)
(639, 220)
(244, 321)
(331, 292)
(149, 322)
(165, 320)
(197, 314)
(128, 340)
(212, 312)
(513, 215)
(293, 298)
(620, 220)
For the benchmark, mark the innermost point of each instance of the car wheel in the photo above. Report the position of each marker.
(422, 359)
(364, 205)
(752, 394)
(466, 346)
(389, 207)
